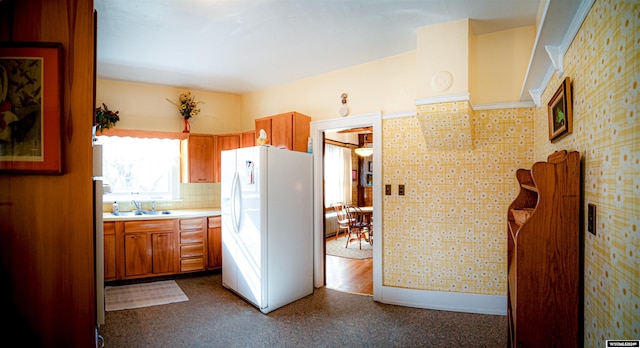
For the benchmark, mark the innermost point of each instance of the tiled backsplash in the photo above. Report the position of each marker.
(194, 196)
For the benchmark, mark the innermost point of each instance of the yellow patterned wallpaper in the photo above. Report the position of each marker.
(444, 132)
(448, 233)
(603, 63)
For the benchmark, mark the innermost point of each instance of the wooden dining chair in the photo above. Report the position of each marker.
(343, 219)
(359, 225)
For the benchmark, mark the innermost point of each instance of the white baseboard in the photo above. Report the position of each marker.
(446, 301)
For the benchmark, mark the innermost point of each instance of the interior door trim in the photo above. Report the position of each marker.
(317, 130)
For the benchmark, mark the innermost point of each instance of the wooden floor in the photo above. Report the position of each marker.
(350, 275)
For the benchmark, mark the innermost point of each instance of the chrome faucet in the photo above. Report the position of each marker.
(137, 204)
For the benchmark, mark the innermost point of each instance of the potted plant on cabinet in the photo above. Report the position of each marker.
(105, 118)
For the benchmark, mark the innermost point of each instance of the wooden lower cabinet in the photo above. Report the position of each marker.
(214, 243)
(137, 255)
(192, 246)
(147, 248)
(148, 253)
(109, 251)
(163, 252)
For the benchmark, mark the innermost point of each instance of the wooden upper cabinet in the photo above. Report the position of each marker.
(223, 142)
(248, 138)
(264, 123)
(289, 130)
(197, 159)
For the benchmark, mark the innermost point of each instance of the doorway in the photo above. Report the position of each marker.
(318, 129)
(347, 182)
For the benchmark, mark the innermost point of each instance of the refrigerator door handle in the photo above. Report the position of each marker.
(235, 185)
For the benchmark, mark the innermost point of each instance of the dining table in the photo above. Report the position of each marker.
(367, 211)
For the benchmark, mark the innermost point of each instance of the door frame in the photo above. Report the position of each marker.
(317, 133)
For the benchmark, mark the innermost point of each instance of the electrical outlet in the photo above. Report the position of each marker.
(591, 218)
(400, 190)
(387, 190)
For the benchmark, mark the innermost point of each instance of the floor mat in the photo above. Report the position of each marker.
(336, 247)
(143, 295)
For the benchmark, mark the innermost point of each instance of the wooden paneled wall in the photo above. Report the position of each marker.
(46, 224)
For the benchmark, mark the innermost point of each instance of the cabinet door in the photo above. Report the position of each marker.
(248, 139)
(109, 251)
(282, 131)
(214, 243)
(223, 142)
(289, 130)
(137, 254)
(198, 166)
(163, 251)
(264, 123)
(301, 130)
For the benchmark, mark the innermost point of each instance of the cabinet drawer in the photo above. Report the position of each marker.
(109, 228)
(148, 226)
(192, 224)
(192, 237)
(192, 250)
(214, 221)
(196, 264)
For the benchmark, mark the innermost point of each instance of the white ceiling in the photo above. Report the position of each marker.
(240, 46)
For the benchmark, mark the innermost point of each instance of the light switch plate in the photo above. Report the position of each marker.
(591, 218)
(387, 190)
(400, 190)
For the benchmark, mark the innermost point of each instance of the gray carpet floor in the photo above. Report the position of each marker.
(215, 317)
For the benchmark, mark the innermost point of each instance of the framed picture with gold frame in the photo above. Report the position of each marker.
(31, 108)
(561, 112)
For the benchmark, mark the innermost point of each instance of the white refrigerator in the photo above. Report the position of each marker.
(98, 230)
(267, 231)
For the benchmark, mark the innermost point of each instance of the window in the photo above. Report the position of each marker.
(337, 174)
(140, 168)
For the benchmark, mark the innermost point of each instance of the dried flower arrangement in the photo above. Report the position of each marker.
(187, 105)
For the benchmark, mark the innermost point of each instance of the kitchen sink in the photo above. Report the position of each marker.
(143, 212)
(146, 212)
(124, 213)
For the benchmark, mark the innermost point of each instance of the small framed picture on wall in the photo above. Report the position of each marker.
(560, 112)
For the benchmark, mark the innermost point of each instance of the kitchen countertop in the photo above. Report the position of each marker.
(174, 214)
